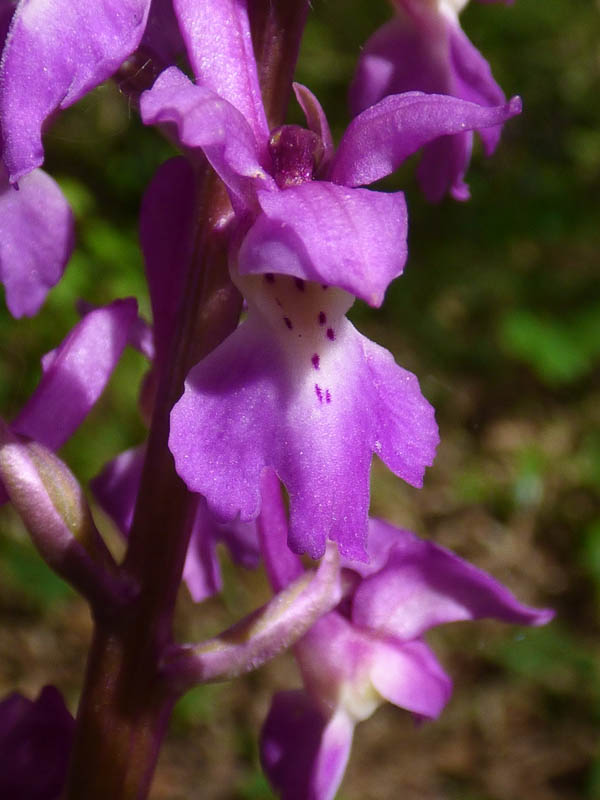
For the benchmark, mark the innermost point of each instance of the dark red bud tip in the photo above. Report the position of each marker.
(296, 154)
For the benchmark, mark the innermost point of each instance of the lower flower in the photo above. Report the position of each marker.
(370, 650)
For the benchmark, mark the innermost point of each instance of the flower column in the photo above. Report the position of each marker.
(125, 706)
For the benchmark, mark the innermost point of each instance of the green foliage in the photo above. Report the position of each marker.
(558, 351)
(30, 577)
(553, 658)
(255, 787)
(589, 555)
(196, 707)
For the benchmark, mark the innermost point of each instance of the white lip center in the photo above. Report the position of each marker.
(453, 7)
(307, 320)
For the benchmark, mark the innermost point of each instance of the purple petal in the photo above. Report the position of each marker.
(241, 539)
(167, 227)
(77, 375)
(342, 664)
(423, 49)
(351, 238)
(219, 44)
(423, 585)
(242, 415)
(298, 389)
(382, 137)
(57, 51)
(36, 239)
(407, 434)
(410, 676)
(316, 121)
(281, 564)
(304, 754)
(116, 487)
(35, 744)
(473, 80)
(202, 119)
(382, 539)
(408, 53)
(443, 165)
(141, 338)
(141, 335)
(201, 571)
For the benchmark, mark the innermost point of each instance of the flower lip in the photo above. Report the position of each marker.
(296, 153)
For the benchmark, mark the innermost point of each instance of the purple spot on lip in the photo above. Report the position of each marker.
(299, 284)
(315, 361)
(278, 301)
(322, 318)
(324, 286)
(288, 322)
(330, 334)
(327, 396)
(318, 392)
(269, 277)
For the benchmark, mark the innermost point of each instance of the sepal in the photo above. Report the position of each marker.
(303, 751)
(263, 634)
(36, 239)
(57, 51)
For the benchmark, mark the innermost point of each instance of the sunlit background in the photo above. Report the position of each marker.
(498, 313)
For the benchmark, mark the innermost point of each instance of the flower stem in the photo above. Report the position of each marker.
(277, 27)
(126, 703)
(125, 706)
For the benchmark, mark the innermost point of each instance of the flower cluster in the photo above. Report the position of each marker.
(292, 397)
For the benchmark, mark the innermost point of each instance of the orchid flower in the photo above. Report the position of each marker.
(424, 48)
(36, 228)
(36, 239)
(370, 649)
(54, 53)
(296, 387)
(59, 50)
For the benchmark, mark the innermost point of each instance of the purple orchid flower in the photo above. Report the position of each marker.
(36, 239)
(424, 48)
(296, 387)
(35, 744)
(370, 649)
(36, 228)
(55, 52)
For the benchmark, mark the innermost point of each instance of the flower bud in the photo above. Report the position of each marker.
(54, 510)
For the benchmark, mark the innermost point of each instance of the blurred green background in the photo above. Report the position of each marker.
(498, 313)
